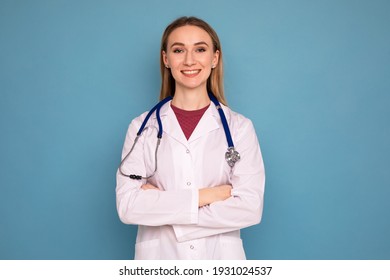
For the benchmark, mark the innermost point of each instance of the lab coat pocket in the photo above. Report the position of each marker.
(147, 250)
(231, 248)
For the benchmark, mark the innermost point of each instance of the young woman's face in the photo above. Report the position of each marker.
(190, 56)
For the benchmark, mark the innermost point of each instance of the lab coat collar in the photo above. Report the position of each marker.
(209, 122)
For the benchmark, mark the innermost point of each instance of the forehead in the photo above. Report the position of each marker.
(189, 35)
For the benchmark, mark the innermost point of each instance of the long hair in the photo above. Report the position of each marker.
(214, 82)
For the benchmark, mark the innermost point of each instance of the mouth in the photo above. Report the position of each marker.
(190, 73)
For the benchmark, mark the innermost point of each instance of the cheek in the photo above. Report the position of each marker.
(207, 61)
(175, 74)
(174, 61)
(174, 66)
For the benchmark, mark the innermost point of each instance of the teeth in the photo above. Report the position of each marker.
(190, 72)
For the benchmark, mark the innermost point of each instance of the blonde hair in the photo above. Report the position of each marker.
(214, 82)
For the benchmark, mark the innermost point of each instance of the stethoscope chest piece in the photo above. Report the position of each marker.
(232, 156)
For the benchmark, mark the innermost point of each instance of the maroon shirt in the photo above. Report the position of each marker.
(188, 120)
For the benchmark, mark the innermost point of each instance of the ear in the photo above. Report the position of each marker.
(164, 56)
(215, 58)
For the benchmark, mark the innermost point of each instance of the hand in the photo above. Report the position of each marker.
(148, 186)
(213, 194)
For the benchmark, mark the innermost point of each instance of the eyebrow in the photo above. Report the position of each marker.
(182, 45)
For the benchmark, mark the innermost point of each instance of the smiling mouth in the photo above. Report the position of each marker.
(191, 72)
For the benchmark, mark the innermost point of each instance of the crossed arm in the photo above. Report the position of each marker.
(206, 195)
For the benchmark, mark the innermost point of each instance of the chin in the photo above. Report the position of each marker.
(193, 86)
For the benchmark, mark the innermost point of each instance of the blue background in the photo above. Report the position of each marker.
(314, 77)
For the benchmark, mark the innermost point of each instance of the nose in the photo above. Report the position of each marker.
(189, 59)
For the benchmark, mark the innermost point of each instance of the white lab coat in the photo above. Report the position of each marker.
(171, 226)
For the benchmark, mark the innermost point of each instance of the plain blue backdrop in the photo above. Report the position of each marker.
(314, 77)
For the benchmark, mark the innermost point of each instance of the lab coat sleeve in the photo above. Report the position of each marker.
(149, 207)
(244, 208)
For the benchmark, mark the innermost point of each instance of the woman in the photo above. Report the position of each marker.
(195, 204)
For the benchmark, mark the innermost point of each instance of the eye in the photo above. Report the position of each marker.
(201, 50)
(178, 51)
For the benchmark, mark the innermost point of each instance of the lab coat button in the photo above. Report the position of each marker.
(188, 183)
(187, 151)
(192, 247)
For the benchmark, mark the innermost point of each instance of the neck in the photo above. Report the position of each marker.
(190, 100)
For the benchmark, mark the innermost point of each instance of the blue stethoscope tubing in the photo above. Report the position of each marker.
(231, 155)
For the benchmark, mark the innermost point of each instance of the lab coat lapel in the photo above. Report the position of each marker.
(171, 125)
(207, 123)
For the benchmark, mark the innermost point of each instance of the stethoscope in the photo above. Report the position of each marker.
(231, 155)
